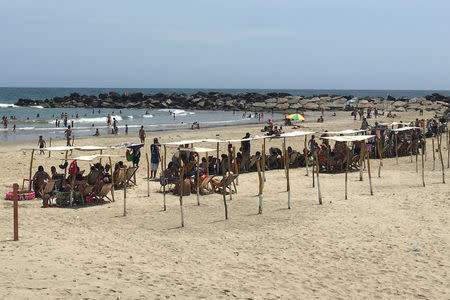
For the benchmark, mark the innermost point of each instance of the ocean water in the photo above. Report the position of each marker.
(34, 121)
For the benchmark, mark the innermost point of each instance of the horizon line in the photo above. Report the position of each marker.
(184, 88)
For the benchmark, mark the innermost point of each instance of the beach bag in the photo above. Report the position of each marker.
(73, 168)
(129, 155)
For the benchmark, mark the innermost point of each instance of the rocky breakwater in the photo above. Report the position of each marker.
(277, 102)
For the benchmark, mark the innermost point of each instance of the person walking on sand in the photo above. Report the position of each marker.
(142, 134)
(155, 158)
(41, 144)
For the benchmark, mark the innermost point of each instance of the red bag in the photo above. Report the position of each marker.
(73, 170)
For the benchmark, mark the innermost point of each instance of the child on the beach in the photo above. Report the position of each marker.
(41, 144)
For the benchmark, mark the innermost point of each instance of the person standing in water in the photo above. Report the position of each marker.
(142, 134)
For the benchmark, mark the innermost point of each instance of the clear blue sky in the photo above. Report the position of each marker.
(360, 44)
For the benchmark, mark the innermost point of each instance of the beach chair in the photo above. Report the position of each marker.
(119, 180)
(129, 175)
(227, 180)
(47, 188)
(104, 191)
(205, 185)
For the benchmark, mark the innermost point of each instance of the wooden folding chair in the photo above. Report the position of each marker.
(130, 172)
(105, 190)
(47, 188)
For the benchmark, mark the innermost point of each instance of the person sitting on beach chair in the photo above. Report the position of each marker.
(39, 179)
(252, 165)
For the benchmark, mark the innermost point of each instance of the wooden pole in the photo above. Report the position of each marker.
(368, 170)
(448, 150)
(318, 182)
(442, 161)
(16, 211)
(148, 175)
(125, 196)
(417, 153)
(288, 186)
(305, 153)
(425, 142)
(396, 148)
(197, 175)
(283, 160)
(263, 166)
(225, 198)
(207, 164)
(31, 170)
(411, 150)
(65, 160)
(347, 153)
(163, 166)
(180, 190)
(434, 154)
(217, 162)
(236, 167)
(260, 191)
(112, 180)
(72, 188)
(313, 167)
(49, 152)
(101, 152)
(423, 162)
(229, 172)
(361, 160)
(380, 153)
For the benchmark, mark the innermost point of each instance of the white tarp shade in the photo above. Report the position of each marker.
(127, 145)
(94, 156)
(405, 128)
(190, 142)
(296, 133)
(199, 149)
(94, 148)
(349, 138)
(60, 148)
(347, 131)
(257, 137)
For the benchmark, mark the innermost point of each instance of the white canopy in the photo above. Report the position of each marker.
(93, 148)
(296, 133)
(406, 128)
(60, 148)
(199, 149)
(349, 138)
(94, 156)
(257, 137)
(190, 142)
(347, 131)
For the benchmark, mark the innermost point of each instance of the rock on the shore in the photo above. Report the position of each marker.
(277, 102)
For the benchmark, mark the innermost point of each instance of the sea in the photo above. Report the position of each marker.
(31, 122)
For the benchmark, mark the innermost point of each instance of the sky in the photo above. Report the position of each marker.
(326, 44)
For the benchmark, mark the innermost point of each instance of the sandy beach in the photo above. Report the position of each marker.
(360, 248)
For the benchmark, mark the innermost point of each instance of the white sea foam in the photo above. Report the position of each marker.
(5, 105)
(147, 116)
(130, 117)
(89, 120)
(38, 106)
(25, 128)
(173, 111)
